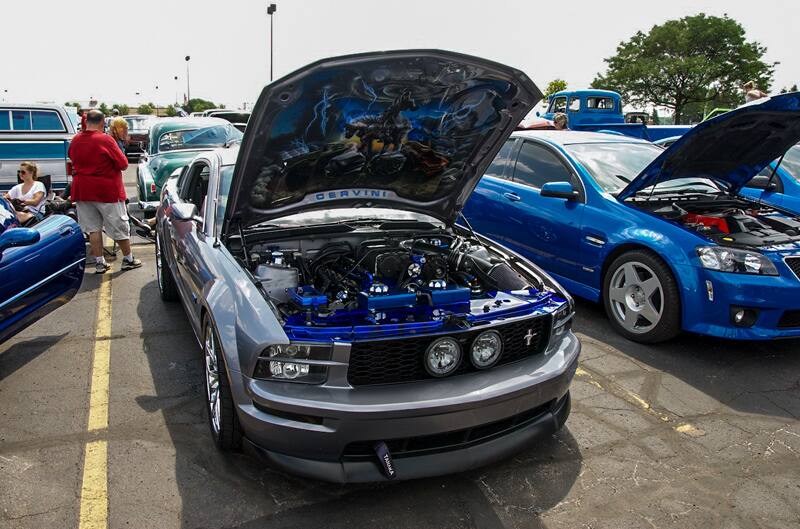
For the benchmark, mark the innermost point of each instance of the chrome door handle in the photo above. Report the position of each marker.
(512, 196)
(66, 230)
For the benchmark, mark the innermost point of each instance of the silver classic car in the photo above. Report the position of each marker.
(351, 329)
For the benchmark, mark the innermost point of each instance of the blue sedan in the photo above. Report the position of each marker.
(41, 268)
(663, 238)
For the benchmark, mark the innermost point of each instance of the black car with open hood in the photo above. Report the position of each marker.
(413, 130)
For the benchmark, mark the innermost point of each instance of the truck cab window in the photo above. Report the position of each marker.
(559, 104)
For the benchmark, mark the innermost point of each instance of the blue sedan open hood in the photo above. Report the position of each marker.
(413, 130)
(731, 148)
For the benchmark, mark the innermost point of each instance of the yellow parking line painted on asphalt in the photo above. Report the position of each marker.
(94, 488)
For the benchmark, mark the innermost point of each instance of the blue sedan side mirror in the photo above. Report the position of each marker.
(18, 237)
(559, 190)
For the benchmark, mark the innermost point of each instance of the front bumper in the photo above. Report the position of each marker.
(311, 430)
(771, 297)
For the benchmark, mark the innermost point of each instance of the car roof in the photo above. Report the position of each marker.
(572, 137)
(32, 106)
(588, 92)
(169, 124)
(228, 156)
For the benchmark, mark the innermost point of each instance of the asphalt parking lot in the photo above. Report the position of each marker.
(693, 433)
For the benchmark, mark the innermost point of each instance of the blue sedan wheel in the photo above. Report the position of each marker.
(641, 297)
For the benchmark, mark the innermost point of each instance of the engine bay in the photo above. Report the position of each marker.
(377, 279)
(730, 221)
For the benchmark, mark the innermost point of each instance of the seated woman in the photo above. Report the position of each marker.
(28, 197)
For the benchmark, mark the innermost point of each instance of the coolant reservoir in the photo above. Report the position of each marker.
(276, 279)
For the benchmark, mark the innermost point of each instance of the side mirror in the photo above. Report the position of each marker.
(185, 212)
(559, 190)
(18, 237)
(762, 182)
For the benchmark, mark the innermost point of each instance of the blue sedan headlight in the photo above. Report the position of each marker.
(734, 260)
(294, 362)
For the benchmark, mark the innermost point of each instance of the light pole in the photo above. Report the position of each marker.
(176, 90)
(188, 93)
(271, 11)
(156, 101)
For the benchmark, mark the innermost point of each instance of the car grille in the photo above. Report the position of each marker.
(426, 444)
(401, 359)
(794, 264)
(790, 318)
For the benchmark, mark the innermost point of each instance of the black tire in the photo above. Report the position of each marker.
(646, 264)
(166, 283)
(226, 430)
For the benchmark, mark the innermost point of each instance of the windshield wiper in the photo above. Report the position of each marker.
(624, 178)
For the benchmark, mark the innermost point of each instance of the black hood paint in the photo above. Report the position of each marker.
(731, 148)
(413, 130)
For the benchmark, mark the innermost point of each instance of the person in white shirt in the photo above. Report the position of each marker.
(28, 197)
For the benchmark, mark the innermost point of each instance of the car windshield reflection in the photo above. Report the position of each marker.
(207, 137)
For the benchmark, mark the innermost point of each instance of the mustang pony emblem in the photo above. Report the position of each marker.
(530, 336)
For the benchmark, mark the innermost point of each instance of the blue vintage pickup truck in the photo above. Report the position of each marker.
(601, 111)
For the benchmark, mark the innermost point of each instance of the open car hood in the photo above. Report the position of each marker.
(731, 148)
(413, 130)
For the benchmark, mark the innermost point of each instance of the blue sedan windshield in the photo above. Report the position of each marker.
(791, 162)
(613, 165)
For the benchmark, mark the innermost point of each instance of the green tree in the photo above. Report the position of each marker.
(792, 88)
(654, 117)
(556, 85)
(171, 112)
(199, 105)
(697, 59)
(124, 109)
(145, 108)
(104, 109)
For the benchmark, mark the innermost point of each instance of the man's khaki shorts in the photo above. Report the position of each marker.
(110, 217)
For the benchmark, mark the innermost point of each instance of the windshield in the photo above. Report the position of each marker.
(208, 137)
(136, 124)
(791, 162)
(614, 165)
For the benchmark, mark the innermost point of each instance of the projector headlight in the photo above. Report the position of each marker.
(735, 260)
(486, 349)
(294, 362)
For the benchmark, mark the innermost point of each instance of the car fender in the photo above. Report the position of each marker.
(245, 321)
(144, 178)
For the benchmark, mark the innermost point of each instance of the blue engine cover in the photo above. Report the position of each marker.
(386, 301)
(448, 296)
(307, 297)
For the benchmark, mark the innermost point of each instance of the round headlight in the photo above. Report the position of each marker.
(486, 349)
(442, 357)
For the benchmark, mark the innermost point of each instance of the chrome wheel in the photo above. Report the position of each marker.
(212, 379)
(636, 297)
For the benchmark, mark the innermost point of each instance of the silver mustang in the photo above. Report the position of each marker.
(351, 329)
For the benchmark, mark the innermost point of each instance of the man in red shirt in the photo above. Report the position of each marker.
(97, 187)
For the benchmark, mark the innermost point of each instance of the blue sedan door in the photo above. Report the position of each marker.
(545, 229)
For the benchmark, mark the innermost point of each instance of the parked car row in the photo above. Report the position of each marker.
(374, 269)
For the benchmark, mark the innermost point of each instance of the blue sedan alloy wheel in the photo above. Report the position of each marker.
(222, 418)
(641, 298)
